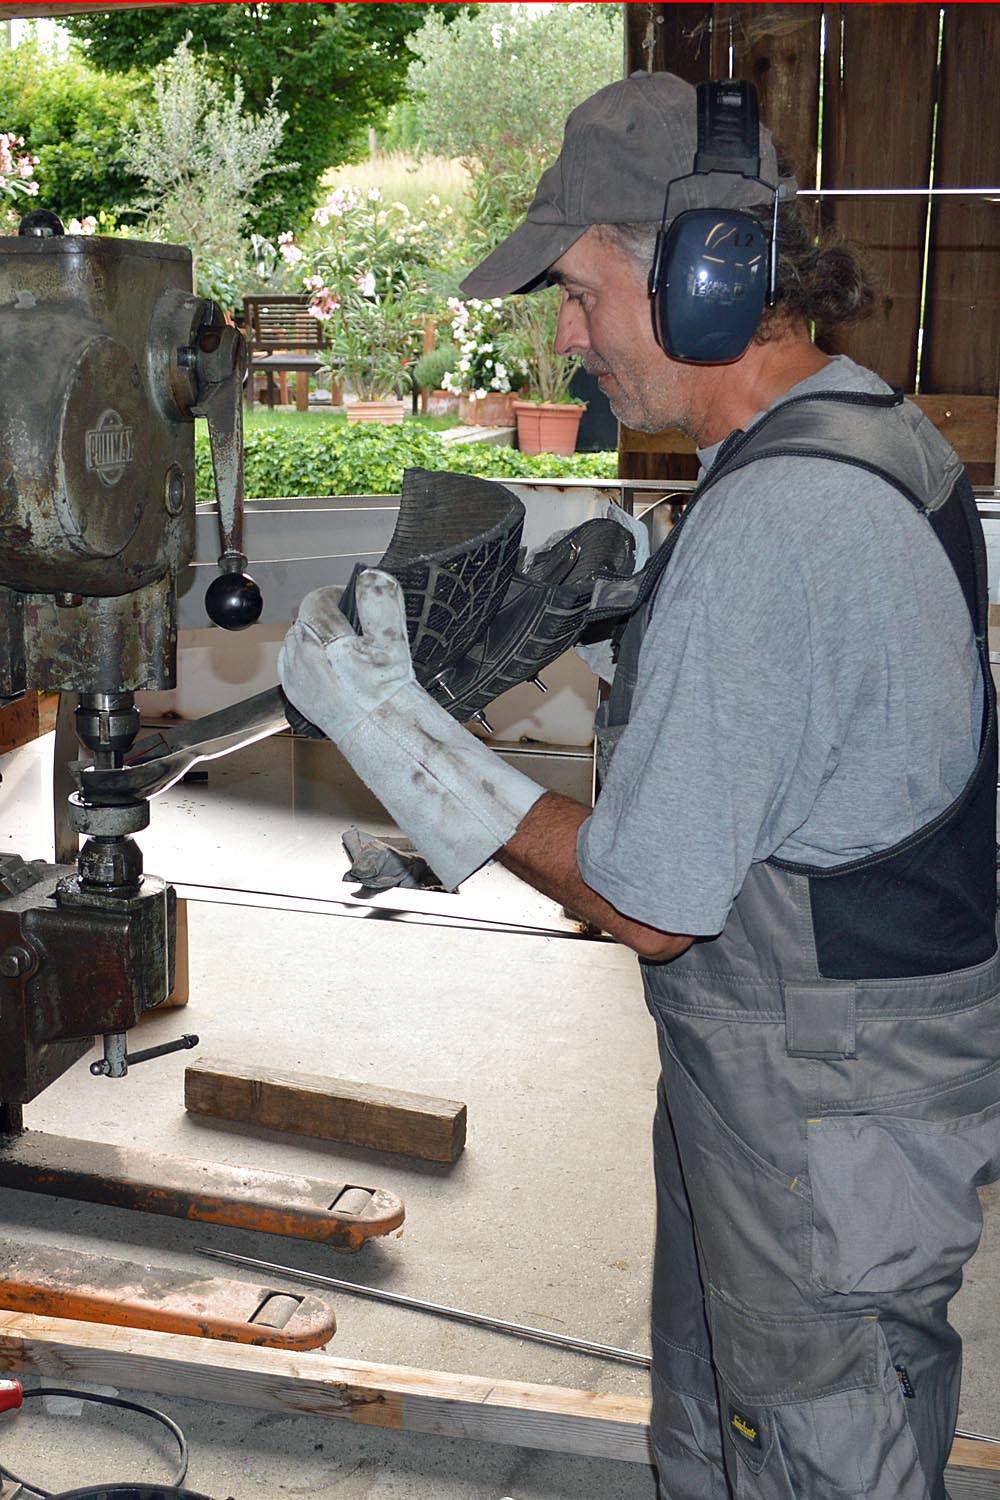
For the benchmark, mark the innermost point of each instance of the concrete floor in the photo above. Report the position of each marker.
(546, 1218)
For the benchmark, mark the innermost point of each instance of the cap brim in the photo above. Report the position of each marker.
(521, 262)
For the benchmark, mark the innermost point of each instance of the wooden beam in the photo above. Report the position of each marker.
(968, 422)
(334, 1109)
(556, 1419)
(670, 440)
(588, 1423)
(26, 718)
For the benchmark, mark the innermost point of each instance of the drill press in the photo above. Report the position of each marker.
(106, 358)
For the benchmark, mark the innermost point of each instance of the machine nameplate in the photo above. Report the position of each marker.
(109, 447)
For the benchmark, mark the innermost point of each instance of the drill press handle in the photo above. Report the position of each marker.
(233, 600)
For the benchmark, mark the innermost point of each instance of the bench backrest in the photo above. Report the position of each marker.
(281, 322)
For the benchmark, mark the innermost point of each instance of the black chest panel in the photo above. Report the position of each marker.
(928, 904)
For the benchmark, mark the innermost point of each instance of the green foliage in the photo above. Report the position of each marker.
(511, 73)
(529, 340)
(337, 459)
(73, 119)
(374, 338)
(356, 232)
(431, 368)
(202, 156)
(340, 66)
(477, 328)
(502, 183)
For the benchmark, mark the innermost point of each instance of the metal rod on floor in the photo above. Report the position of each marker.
(480, 1320)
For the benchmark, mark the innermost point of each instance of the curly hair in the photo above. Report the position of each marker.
(821, 278)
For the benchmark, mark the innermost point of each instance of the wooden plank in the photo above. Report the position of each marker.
(26, 718)
(967, 1453)
(181, 992)
(670, 440)
(968, 422)
(669, 38)
(589, 1423)
(962, 337)
(555, 1419)
(777, 47)
(869, 146)
(335, 1109)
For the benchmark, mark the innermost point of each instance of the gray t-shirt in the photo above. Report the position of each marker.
(808, 687)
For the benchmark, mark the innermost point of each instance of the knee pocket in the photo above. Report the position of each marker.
(811, 1406)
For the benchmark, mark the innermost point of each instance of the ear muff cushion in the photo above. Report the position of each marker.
(711, 280)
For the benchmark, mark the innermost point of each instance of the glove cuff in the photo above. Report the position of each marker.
(453, 797)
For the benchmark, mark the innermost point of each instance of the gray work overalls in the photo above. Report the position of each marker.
(830, 1096)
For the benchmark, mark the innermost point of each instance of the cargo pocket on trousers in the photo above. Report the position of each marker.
(811, 1407)
(894, 1202)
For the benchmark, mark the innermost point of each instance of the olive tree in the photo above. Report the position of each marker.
(510, 74)
(201, 156)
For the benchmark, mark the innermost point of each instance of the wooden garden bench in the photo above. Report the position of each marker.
(283, 339)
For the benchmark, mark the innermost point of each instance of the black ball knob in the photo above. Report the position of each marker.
(233, 601)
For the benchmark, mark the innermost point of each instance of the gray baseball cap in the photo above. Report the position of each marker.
(621, 147)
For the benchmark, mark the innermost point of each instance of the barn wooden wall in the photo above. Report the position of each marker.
(894, 93)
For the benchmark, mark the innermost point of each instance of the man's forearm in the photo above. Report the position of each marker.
(543, 853)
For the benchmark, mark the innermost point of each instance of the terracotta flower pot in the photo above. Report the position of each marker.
(546, 428)
(442, 403)
(491, 410)
(376, 411)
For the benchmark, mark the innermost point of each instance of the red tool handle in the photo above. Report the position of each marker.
(11, 1393)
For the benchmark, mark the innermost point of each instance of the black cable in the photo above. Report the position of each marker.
(146, 1411)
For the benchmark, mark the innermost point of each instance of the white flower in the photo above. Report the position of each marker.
(366, 283)
(374, 195)
(497, 302)
(481, 394)
(434, 201)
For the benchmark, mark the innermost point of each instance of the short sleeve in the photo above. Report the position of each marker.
(721, 755)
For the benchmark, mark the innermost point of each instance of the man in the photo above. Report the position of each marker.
(795, 833)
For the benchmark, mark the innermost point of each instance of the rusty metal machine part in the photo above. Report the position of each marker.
(42, 1279)
(106, 358)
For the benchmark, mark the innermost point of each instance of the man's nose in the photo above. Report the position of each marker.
(571, 330)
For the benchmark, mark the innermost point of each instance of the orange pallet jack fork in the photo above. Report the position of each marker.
(49, 1282)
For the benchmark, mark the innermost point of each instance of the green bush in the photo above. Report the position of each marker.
(431, 368)
(338, 459)
(73, 119)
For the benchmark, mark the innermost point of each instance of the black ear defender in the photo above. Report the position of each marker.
(714, 270)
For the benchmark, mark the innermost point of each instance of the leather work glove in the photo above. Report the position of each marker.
(599, 655)
(455, 799)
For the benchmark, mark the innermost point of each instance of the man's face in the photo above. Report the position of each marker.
(605, 318)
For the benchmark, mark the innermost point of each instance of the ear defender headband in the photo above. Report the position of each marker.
(714, 271)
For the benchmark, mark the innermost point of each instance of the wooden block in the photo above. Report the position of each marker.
(180, 994)
(27, 717)
(334, 1109)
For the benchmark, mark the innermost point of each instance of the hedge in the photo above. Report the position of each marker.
(338, 459)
